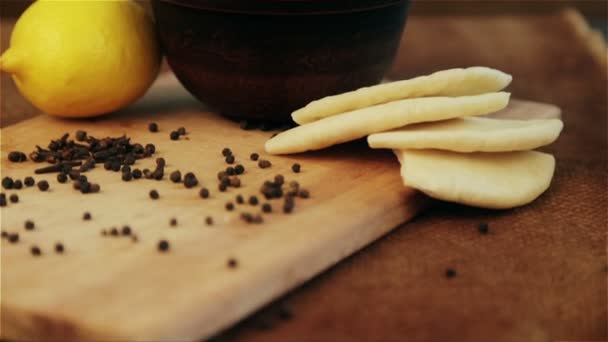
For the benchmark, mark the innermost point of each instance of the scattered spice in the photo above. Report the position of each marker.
(13, 237)
(81, 135)
(125, 168)
(86, 216)
(279, 180)
(296, 168)
(235, 182)
(17, 185)
(232, 263)
(254, 156)
(230, 159)
(7, 183)
(114, 231)
(29, 225)
(226, 152)
(304, 193)
(229, 206)
(17, 157)
(253, 200)
(450, 273)
(190, 180)
(209, 220)
(59, 247)
(258, 219)
(288, 205)
(267, 208)
(14, 198)
(263, 164)
(174, 135)
(247, 217)
(43, 185)
(230, 171)
(483, 228)
(35, 251)
(222, 187)
(62, 177)
(181, 131)
(175, 176)
(173, 222)
(126, 230)
(163, 245)
(29, 181)
(153, 127)
(154, 194)
(161, 162)
(127, 176)
(204, 193)
(239, 169)
(136, 173)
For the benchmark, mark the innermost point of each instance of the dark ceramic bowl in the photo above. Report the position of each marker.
(262, 59)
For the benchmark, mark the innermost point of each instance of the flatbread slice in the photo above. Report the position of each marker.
(363, 122)
(471, 134)
(489, 180)
(452, 82)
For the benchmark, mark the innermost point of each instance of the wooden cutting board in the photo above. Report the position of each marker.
(112, 289)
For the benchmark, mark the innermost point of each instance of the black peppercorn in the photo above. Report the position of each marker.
(62, 177)
(222, 187)
(181, 131)
(153, 127)
(127, 176)
(190, 180)
(230, 171)
(240, 199)
(59, 247)
(7, 183)
(160, 162)
(253, 200)
(304, 193)
(86, 216)
(175, 176)
(149, 149)
(230, 159)
(232, 263)
(235, 182)
(204, 193)
(267, 208)
(126, 230)
(174, 135)
(2, 200)
(163, 245)
(29, 225)
(17, 157)
(257, 219)
(254, 156)
(226, 152)
(263, 164)
(13, 237)
(296, 168)
(4, 234)
(229, 206)
(114, 231)
(279, 180)
(450, 273)
(483, 228)
(14, 198)
(35, 251)
(94, 187)
(239, 169)
(125, 168)
(209, 220)
(173, 222)
(17, 184)
(81, 135)
(115, 165)
(154, 194)
(136, 173)
(29, 181)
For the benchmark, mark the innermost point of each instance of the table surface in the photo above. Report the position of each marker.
(538, 275)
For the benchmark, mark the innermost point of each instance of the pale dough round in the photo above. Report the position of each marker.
(471, 134)
(489, 180)
(451, 82)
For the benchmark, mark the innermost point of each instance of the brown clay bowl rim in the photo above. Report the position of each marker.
(285, 7)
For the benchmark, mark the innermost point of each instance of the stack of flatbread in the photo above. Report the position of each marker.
(432, 124)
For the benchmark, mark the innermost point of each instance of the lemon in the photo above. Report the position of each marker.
(82, 58)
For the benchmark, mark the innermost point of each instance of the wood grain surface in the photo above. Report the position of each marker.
(114, 289)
